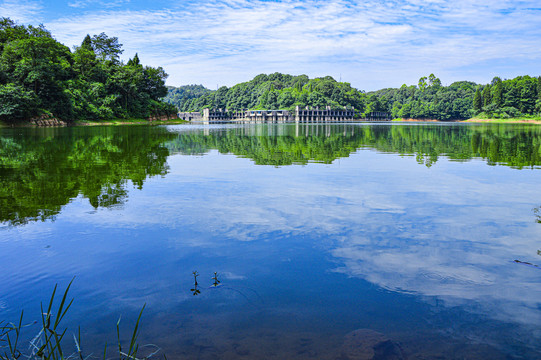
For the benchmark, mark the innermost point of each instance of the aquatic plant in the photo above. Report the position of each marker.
(215, 278)
(218, 285)
(48, 344)
(195, 290)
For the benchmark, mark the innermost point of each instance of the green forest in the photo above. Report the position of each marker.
(429, 99)
(40, 76)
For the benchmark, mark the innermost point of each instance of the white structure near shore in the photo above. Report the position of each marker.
(307, 115)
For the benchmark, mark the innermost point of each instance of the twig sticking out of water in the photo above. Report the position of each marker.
(215, 278)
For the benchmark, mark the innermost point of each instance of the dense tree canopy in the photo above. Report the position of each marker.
(429, 99)
(274, 91)
(40, 75)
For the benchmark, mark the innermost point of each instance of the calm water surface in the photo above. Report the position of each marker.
(407, 231)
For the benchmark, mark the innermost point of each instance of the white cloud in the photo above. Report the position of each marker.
(106, 4)
(372, 44)
(23, 12)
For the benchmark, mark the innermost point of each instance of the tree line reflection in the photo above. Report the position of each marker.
(41, 170)
(286, 144)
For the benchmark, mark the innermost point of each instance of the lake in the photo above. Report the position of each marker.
(329, 241)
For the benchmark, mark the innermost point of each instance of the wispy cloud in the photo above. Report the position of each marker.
(21, 11)
(372, 44)
(107, 4)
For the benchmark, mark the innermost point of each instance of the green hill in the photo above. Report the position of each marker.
(429, 99)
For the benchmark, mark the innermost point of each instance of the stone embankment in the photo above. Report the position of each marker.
(47, 121)
(162, 117)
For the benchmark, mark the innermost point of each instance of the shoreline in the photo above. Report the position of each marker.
(122, 122)
(141, 122)
(118, 122)
(477, 120)
(504, 121)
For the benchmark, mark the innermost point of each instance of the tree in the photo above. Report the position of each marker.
(434, 81)
(154, 82)
(497, 92)
(477, 101)
(16, 103)
(422, 83)
(107, 48)
(539, 87)
(134, 61)
(487, 98)
(374, 104)
(285, 100)
(42, 65)
(528, 95)
(84, 57)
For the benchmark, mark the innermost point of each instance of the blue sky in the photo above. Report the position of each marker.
(371, 44)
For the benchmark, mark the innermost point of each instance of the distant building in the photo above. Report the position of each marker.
(307, 115)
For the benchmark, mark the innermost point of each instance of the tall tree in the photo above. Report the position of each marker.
(434, 81)
(487, 98)
(107, 48)
(477, 101)
(497, 92)
(422, 83)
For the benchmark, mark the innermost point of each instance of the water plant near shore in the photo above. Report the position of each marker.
(48, 344)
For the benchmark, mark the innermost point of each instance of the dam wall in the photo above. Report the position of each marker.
(306, 115)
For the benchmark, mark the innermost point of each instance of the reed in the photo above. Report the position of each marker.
(48, 344)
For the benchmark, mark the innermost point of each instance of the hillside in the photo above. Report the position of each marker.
(274, 91)
(429, 99)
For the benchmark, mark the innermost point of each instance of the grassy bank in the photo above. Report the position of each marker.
(115, 122)
(416, 120)
(519, 120)
(127, 122)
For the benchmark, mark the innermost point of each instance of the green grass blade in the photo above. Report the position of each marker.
(60, 314)
(135, 331)
(50, 304)
(18, 332)
(118, 337)
(60, 317)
